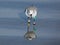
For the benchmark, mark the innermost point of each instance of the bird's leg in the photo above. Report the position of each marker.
(34, 24)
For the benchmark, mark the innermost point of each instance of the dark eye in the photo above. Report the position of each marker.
(29, 37)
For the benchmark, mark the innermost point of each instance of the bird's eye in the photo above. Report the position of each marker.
(29, 37)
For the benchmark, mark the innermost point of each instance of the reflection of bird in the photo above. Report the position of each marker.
(30, 35)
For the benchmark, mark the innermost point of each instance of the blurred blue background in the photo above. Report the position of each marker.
(13, 22)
